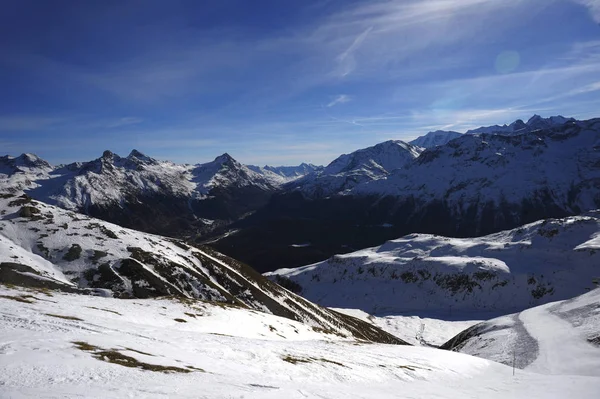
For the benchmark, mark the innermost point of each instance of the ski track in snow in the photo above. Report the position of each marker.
(562, 351)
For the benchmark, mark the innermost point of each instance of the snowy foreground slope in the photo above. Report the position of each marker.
(56, 344)
(45, 246)
(555, 338)
(420, 273)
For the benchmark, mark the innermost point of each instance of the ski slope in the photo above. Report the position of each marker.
(56, 345)
(558, 338)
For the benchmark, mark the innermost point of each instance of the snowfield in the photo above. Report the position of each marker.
(55, 345)
(415, 330)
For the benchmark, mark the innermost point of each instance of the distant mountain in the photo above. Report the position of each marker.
(284, 174)
(141, 192)
(474, 185)
(536, 122)
(557, 338)
(349, 170)
(43, 246)
(500, 273)
(20, 173)
(433, 139)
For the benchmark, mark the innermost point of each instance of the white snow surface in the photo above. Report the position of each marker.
(460, 278)
(415, 330)
(229, 353)
(433, 139)
(284, 174)
(555, 338)
(364, 165)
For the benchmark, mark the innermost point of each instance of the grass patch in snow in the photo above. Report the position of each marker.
(296, 360)
(21, 298)
(64, 317)
(115, 357)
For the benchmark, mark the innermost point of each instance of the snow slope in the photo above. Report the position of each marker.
(65, 345)
(557, 338)
(284, 174)
(433, 139)
(421, 273)
(415, 330)
(45, 246)
(349, 170)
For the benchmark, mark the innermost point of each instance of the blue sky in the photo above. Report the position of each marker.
(281, 82)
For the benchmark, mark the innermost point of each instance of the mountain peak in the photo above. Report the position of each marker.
(108, 155)
(224, 158)
(136, 153)
(30, 157)
(435, 138)
(138, 157)
(535, 118)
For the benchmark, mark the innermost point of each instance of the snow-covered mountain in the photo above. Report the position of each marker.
(20, 173)
(478, 184)
(285, 174)
(534, 123)
(45, 246)
(471, 186)
(500, 273)
(349, 170)
(141, 192)
(433, 139)
(555, 338)
(54, 344)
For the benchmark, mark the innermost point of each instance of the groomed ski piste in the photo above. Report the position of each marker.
(558, 338)
(55, 345)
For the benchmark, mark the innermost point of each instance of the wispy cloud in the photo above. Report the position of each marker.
(586, 89)
(346, 60)
(593, 6)
(340, 99)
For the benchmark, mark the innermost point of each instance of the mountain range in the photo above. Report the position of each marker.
(474, 185)
(536, 122)
(488, 180)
